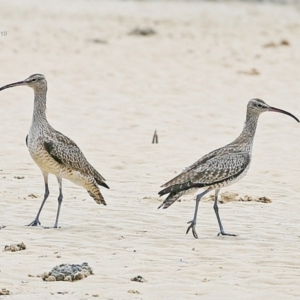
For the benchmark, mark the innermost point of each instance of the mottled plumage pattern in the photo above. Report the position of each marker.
(216, 172)
(219, 168)
(66, 152)
(54, 152)
(71, 160)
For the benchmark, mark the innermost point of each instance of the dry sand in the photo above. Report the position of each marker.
(109, 91)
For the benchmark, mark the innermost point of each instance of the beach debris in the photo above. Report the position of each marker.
(142, 31)
(253, 71)
(263, 199)
(228, 196)
(68, 272)
(15, 247)
(133, 292)
(98, 41)
(283, 42)
(19, 177)
(2, 226)
(231, 196)
(224, 197)
(155, 138)
(154, 199)
(270, 44)
(32, 196)
(4, 292)
(138, 279)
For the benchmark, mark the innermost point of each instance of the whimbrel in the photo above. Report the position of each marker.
(55, 153)
(219, 168)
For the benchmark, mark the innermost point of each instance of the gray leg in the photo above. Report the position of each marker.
(36, 221)
(194, 221)
(60, 198)
(222, 232)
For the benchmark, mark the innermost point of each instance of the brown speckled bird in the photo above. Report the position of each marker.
(55, 153)
(219, 168)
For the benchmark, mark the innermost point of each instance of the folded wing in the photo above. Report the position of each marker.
(213, 171)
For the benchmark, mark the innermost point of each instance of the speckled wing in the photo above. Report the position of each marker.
(217, 170)
(66, 152)
(229, 149)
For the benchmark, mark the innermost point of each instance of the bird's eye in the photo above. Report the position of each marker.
(34, 80)
(259, 105)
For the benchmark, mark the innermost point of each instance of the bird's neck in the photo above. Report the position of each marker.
(250, 125)
(39, 108)
(39, 120)
(245, 139)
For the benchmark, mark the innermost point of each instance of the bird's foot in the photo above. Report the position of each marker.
(35, 222)
(193, 226)
(224, 233)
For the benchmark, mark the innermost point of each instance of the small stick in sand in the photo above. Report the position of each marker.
(155, 138)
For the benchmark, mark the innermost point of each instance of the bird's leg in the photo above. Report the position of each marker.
(222, 232)
(60, 198)
(194, 221)
(36, 221)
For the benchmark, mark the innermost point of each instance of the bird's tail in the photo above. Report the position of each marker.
(172, 197)
(99, 178)
(96, 195)
(102, 183)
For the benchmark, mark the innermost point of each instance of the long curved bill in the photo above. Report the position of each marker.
(280, 111)
(13, 84)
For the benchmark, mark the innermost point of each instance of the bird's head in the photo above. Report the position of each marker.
(35, 81)
(257, 106)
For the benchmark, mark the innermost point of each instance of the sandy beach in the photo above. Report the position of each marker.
(109, 90)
